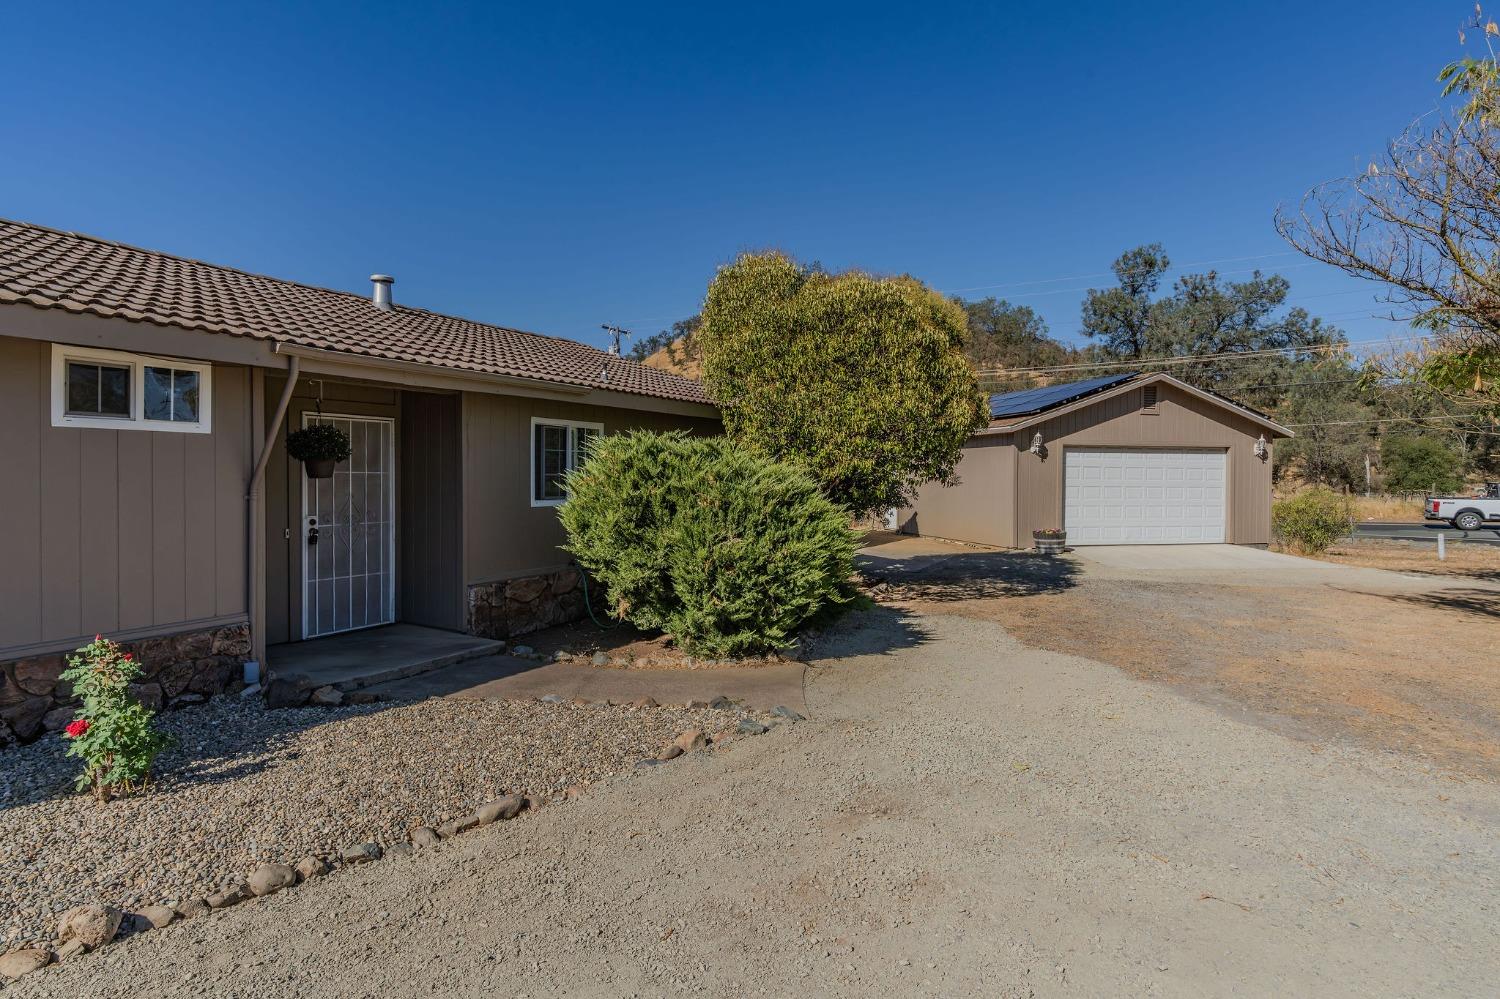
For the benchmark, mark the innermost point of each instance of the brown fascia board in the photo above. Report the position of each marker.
(1089, 400)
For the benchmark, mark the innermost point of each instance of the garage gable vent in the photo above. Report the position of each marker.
(1148, 397)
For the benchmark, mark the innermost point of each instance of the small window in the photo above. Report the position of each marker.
(557, 447)
(98, 389)
(113, 390)
(171, 394)
(1148, 398)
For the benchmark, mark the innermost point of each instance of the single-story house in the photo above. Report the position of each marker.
(144, 404)
(1123, 459)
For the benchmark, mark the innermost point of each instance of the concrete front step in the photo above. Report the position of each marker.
(359, 659)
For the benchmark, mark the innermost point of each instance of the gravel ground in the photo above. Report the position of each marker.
(961, 816)
(246, 786)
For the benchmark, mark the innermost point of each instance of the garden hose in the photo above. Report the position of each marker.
(588, 603)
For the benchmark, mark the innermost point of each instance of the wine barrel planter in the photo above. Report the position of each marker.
(1048, 543)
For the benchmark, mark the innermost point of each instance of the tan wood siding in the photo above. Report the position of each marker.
(1181, 420)
(504, 535)
(979, 507)
(116, 530)
(429, 511)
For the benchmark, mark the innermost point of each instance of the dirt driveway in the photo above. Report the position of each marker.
(1327, 653)
(962, 815)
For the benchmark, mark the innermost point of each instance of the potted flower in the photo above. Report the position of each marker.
(319, 447)
(1050, 540)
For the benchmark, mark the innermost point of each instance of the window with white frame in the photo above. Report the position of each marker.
(557, 447)
(115, 390)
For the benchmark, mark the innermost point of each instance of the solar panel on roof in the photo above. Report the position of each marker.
(1037, 400)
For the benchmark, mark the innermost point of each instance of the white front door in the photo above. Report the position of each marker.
(349, 532)
(1114, 496)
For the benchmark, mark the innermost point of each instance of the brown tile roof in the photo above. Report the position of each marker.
(49, 269)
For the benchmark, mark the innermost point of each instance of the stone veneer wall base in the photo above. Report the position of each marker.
(181, 669)
(515, 607)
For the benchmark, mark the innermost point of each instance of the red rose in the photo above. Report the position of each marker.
(126, 657)
(77, 728)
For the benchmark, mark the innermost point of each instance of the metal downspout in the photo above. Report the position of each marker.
(257, 559)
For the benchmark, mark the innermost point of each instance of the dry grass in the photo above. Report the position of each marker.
(1391, 508)
(1465, 560)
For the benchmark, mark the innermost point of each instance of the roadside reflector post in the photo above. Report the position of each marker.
(1442, 547)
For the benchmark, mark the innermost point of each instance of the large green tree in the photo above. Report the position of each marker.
(1232, 337)
(1411, 464)
(1004, 336)
(861, 380)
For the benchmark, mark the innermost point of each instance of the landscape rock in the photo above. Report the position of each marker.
(192, 908)
(312, 867)
(600, 659)
(327, 697)
(93, 925)
(721, 703)
(57, 719)
(551, 699)
(229, 896)
(697, 705)
(20, 963)
(453, 827)
(749, 726)
(425, 836)
(70, 950)
(399, 850)
(361, 853)
(522, 651)
(361, 697)
(691, 740)
(39, 674)
(268, 879)
(670, 752)
(782, 711)
(159, 915)
(288, 691)
(25, 718)
(644, 702)
(500, 809)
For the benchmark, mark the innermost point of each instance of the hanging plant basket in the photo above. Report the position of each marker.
(319, 447)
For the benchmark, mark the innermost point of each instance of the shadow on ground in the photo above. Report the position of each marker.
(876, 630)
(979, 575)
(1482, 603)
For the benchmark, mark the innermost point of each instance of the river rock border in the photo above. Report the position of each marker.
(510, 607)
(183, 668)
(89, 927)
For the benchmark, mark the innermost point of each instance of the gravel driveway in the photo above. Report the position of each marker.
(962, 816)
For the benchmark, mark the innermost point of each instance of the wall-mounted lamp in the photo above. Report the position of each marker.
(1261, 447)
(1038, 446)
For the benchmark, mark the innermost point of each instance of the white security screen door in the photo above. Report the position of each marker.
(349, 532)
(1114, 496)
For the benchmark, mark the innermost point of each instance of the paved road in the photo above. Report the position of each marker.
(1426, 532)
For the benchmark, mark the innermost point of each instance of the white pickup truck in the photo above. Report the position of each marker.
(1466, 513)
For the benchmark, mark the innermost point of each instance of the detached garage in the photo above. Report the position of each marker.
(1121, 460)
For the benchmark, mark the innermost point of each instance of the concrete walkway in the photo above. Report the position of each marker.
(500, 676)
(355, 659)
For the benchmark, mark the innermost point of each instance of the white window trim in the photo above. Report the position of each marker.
(543, 421)
(137, 363)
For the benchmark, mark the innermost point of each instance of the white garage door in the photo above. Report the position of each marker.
(1147, 497)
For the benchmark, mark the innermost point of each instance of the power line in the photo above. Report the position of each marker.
(1131, 270)
(1195, 358)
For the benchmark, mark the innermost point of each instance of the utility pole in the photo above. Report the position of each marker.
(615, 335)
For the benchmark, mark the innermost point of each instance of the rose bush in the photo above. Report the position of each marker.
(114, 735)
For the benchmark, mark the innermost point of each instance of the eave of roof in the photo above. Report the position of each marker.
(1013, 425)
(69, 272)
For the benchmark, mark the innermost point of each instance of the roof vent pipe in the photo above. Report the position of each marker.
(382, 296)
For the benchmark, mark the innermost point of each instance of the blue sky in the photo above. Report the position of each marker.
(555, 167)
